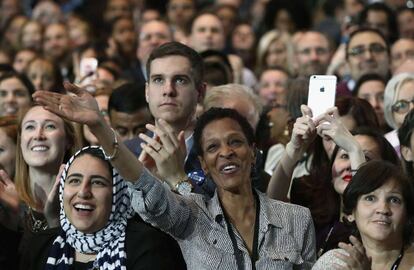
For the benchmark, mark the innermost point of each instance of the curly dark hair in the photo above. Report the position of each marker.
(216, 114)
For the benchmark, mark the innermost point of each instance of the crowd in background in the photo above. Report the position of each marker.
(252, 56)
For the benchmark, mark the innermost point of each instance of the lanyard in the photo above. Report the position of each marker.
(237, 252)
(398, 260)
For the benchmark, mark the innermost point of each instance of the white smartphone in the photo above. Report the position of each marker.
(87, 72)
(321, 96)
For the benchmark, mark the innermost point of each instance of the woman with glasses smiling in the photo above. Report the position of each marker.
(398, 101)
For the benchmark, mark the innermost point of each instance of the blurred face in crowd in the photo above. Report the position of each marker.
(22, 59)
(47, 12)
(32, 36)
(353, 7)
(243, 37)
(130, 125)
(43, 138)
(367, 53)
(13, 31)
(79, 34)
(87, 195)
(8, 8)
(56, 42)
(7, 153)
(341, 168)
(180, 12)
(276, 54)
(13, 96)
(40, 73)
(378, 19)
(401, 50)
(116, 9)
(272, 87)
(150, 15)
(284, 22)
(405, 21)
(152, 35)
(373, 92)
(171, 91)
(404, 102)
(228, 17)
(124, 35)
(312, 54)
(207, 33)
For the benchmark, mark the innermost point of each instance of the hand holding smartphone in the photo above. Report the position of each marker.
(87, 72)
(321, 96)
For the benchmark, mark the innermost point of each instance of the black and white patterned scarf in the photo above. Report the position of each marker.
(108, 243)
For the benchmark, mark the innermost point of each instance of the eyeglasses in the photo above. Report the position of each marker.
(402, 106)
(374, 48)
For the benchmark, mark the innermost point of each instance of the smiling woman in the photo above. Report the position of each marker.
(98, 228)
(44, 142)
(15, 93)
(224, 232)
(378, 203)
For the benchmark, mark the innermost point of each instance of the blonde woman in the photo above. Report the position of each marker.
(275, 49)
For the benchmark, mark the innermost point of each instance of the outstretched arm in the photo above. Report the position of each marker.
(79, 106)
(304, 131)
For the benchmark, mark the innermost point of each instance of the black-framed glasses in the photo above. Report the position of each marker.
(402, 106)
(374, 48)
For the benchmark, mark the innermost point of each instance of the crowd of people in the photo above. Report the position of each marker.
(175, 134)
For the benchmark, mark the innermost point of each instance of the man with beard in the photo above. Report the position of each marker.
(313, 53)
(366, 52)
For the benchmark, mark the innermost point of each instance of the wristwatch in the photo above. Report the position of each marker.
(184, 187)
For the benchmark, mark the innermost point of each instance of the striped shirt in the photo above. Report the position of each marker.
(286, 238)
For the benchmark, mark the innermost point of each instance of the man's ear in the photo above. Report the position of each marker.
(201, 90)
(203, 165)
(146, 92)
(406, 153)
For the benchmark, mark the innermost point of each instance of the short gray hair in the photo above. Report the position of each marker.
(391, 93)
(216, 95)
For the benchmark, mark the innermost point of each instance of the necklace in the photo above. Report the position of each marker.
(35, 224)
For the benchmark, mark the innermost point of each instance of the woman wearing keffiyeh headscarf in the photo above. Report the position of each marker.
(97, 231)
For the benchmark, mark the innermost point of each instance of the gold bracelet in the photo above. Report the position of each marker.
(115, 146)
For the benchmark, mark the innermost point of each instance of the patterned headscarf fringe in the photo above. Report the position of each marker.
(108, 243)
